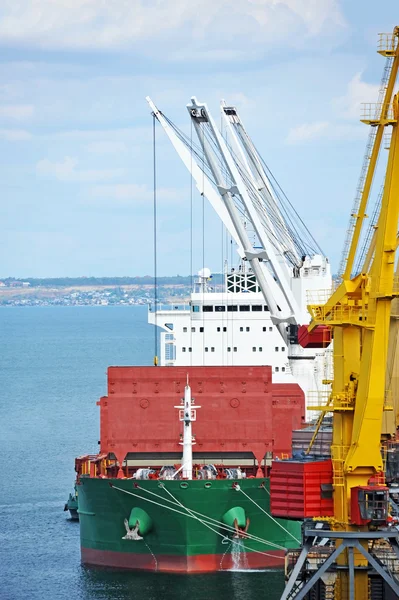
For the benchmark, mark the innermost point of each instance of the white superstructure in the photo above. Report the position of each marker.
(231, 328)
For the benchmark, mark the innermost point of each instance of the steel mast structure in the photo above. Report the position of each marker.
(359, 312)
(230, 173)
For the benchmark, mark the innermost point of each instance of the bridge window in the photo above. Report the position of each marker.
(266, 308)
(207, 308)
(244, 307)
(276, 349)
(196, 308)
(282, 348)
(232, 308)
(257, 308)
(264, 328)
(220, 309)
(201, 330)
(170, 352)
(225, 329)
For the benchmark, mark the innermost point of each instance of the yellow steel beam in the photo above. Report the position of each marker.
(370, 397)
(372, 164)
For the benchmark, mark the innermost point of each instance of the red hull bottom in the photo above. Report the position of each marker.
(200, 563)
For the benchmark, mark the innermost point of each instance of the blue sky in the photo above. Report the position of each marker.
(76, 132)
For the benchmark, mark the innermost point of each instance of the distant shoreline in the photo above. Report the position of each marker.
(66, 282)
(93, 295)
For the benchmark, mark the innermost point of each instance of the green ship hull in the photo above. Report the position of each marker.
(182, 526)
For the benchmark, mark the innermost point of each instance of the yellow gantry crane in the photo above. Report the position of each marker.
(359, 313)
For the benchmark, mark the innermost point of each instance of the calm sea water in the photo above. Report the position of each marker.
(52, 371)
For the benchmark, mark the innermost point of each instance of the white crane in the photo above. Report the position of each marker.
(247, 154)
(233, 179)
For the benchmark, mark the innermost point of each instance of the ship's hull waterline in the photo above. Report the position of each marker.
(175, 536)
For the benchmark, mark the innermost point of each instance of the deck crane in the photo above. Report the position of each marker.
(248, 157)
(232, 177)
(359, 314)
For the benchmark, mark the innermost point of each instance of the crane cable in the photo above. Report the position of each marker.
(155, 239)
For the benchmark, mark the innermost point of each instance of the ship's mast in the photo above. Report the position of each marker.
(187, 415)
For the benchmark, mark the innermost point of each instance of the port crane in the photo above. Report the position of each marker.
(230, 173)
(359, 313)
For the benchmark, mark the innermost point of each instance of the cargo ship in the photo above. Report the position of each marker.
(188, 491)
(180, 483)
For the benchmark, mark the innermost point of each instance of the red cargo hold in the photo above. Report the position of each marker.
(300, 489)
(241, 410)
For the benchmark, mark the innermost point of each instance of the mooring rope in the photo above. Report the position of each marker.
(187, 514)
(269, 515)
(190, 513)
(255, 538)
(228, 527)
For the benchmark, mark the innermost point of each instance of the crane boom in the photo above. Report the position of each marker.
(251, 159)
(273, 279)
(203, 184)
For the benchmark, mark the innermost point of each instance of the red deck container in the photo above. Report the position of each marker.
(320, 337)
(301, 490)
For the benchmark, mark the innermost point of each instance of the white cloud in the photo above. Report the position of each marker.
(128, 193)
(16, 111)
(106, 136)
(115, 24)
(66, 170)
(348, 106)
(106, 147)
(306, 132)
(15, 135)
(324, 130)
